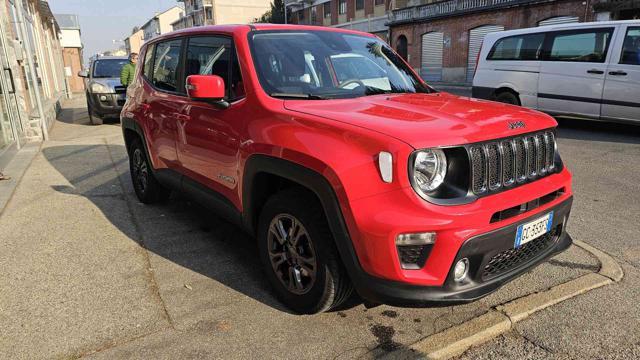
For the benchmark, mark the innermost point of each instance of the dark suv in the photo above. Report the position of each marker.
(105, 94)
(351, 172)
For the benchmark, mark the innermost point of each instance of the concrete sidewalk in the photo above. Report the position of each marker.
(87, 270)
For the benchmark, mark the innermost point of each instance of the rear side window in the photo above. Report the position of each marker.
(520, 47)
(215, 55)
(631, 47)
(148, 61)
(580, 46)
(166, 63)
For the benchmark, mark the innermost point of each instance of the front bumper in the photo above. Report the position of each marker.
(106, 104)
(480, 250)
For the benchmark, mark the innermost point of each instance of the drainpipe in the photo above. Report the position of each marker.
(34, 77)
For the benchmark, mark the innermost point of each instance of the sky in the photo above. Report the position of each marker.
(102, 21)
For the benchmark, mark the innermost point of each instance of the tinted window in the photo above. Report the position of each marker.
(583, 46)
(215, 56)
(166, 63)
(522, 47)
(108, 68)
(148, 62)
(631, 47)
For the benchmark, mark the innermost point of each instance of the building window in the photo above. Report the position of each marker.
(342, 7)
(379, 2)
(359, 4)
(301, 15)
(327, 10)
(314, 14)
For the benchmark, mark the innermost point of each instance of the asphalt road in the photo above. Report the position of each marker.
(88, 271)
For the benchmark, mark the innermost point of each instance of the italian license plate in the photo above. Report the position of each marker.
(533, 229)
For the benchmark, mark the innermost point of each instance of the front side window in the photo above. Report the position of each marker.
(521, 47)
(166, 62)
(108, 68)
(581, 46)
(631, 47)
(324, 64)
(214, 55)
(342, 7)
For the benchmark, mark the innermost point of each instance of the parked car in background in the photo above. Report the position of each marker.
(585, 70)
(353, 174)
(105, 94)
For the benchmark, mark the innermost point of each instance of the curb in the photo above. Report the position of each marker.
(456, 340)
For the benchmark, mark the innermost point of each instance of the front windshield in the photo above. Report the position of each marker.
(325, 64)
(108, 68)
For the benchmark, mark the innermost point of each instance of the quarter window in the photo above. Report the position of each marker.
(582, 46)
(166, 64)
(148, 62)
(214, 55)
(521, 47)
(631, 47)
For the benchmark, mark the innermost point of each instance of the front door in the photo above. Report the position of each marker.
(208, 136)
(572, 76)
(621, 97)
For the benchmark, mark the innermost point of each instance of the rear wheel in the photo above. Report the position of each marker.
(147, 188)
(299, 254)
(508, 97)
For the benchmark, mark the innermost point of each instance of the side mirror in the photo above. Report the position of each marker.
(208, 88)
(83, 73)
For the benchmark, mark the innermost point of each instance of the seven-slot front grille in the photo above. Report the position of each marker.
(502, 163)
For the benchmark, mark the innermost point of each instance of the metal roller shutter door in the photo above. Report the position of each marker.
(476, 36)
(431, 64)
(559, 20)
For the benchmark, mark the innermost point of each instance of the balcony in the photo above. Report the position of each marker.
(449, 8)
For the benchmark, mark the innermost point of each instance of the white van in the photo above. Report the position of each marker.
(585, 70)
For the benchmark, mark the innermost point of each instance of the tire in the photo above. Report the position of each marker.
(508, 97)
(147, 188)
(94, 120)
(327, 285)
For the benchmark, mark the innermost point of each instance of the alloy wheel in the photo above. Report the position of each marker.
(140, 170)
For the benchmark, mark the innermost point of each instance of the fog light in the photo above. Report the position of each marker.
(416, 239)
(461, 269)
(103, 98)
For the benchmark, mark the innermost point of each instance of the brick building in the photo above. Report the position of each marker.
(441, 40)
(71, 42)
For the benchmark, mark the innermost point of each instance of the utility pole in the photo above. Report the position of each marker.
(26, 42)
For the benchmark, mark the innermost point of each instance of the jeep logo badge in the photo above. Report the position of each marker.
(516, 125)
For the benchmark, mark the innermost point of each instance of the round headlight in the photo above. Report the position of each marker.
(429, 169)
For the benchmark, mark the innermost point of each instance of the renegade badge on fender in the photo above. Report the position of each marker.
(355, 176)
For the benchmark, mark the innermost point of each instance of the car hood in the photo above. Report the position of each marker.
(427, 120)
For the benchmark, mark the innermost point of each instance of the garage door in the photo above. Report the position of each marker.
(559, 20)
(431, 64)
(475, 42)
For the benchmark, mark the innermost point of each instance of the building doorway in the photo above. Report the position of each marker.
(401, 47)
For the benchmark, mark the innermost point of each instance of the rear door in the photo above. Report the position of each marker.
(573, 71)
(621, 97)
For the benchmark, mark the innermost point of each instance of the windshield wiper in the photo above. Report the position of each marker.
(298, 96)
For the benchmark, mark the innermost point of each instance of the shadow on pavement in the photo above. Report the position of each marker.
(179, 231)
(598, 131)
(80, 116)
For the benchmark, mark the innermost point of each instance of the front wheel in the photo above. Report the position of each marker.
(299, 254)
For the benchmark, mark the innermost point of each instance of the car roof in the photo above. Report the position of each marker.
(233, 28)
(566, 26)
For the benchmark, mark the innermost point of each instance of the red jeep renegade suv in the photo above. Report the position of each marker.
(353, 174)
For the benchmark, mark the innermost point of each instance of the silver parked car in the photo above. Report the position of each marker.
(584, 70)
(105, 94)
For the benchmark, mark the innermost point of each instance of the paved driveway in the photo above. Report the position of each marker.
(87, 270)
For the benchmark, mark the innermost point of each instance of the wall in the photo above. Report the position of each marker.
(72, 58)
(70, 38)
(456, 29)
(239, 12)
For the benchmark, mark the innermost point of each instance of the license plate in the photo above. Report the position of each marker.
(533, 229)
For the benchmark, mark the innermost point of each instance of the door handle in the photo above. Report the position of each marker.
(618, 72)
(595, 71)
